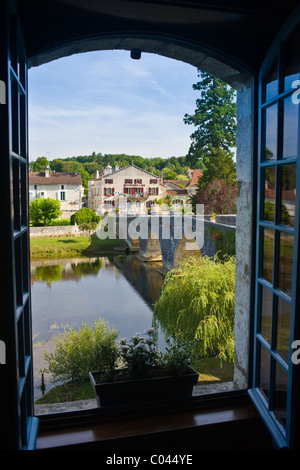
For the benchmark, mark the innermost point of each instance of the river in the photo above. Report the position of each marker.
(68, 292)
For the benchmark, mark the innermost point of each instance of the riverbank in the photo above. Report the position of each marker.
(62, 247)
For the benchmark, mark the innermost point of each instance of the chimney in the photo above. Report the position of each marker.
(47, 171)
(97, 174)
(117, 168)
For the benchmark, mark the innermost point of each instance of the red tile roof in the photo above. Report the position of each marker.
(194, 180)
(176, 192)
(38, 177)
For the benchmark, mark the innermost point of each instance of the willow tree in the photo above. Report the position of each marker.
(197, 302)
(215, 135)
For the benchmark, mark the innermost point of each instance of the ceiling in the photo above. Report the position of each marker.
(237, 32)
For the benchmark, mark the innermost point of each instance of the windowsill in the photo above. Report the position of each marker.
(185, 428)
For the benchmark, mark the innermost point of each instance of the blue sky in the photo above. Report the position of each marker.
(106, 102)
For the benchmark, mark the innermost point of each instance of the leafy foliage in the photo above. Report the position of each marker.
(218, 197)
(215, 134)
(84, 215)
(197, 301)
(43, 211)
(141, 356)
(214, 119)
(79, 352)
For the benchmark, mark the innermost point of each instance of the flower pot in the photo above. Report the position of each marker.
(154, 389)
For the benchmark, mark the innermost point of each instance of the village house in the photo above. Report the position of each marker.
(66, 187)
(129, 189)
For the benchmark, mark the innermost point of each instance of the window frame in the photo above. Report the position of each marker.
(224, 398)
(284, 436)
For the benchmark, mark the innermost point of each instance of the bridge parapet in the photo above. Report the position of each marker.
(169, 238)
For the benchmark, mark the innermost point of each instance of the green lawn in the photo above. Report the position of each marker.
(62, 247)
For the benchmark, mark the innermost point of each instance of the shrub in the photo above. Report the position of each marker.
(84, 215)
(43, 211)
(197, 301)
(79, 352)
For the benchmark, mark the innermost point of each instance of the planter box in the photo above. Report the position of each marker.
(144, 390)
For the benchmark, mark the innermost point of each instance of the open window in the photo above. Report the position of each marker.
(275, 367)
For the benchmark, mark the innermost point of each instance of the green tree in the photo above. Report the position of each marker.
(43, 211)
(197, 301)
(84, 215)
(215, 134)
(40, 164)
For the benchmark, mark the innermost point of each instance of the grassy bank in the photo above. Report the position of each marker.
(62, 247)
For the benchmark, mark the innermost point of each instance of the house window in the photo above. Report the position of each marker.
(153, 191)
(137, 181)
(128, 181)
(153, 181)
(275, 374)
(109, 181)
(62, 196)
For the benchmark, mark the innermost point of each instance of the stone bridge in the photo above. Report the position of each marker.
(169, 239)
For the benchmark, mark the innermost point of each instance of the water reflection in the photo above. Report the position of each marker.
(66, 293)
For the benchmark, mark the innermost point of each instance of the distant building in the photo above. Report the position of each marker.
(65, 187)
(129, 189)
(191, 187)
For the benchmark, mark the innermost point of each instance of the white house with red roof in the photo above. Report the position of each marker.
(65, 187)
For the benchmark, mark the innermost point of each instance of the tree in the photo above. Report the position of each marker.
(215, 136)
(43, 211)
(84, 215)
(40, 164)
(218, 197)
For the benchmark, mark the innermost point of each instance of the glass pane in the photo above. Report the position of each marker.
(267, 267)
(269, 196)
(272, 81)
(290, 129)
(280, 394)
(270, 152)
(292, 59)
(288, 195)
(285, 263)
(264, 371)
(283, 328)
(266, 313)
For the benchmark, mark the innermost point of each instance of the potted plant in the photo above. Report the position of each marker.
(141, 373)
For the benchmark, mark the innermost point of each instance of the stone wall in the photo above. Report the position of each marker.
(56, 231)
(243, 234)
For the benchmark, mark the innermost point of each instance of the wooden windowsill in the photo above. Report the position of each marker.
(109, 433)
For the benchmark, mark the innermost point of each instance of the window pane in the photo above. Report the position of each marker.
(285, 263)
(272, 81)
(264, 371)
(270, 152)
(290, 128)
(266, 313)
(267, 267)
(288, 195)
(283, 328)
(269, 199)
(292, 59)
(280, 394)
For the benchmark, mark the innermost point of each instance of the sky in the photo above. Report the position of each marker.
(106, 102)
